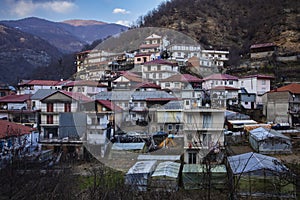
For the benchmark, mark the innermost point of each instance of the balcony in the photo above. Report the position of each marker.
(201, 127)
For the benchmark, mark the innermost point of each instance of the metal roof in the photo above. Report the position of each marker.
(250, 162)
(142, 167)
(128, 146)
(199, 168)
(159, 157)
(167, 169)
(127, 95)
(262, 133)
(42, 93)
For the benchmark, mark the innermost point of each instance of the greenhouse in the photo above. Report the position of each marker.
(269, 141)
(166, 176)
(197, 176)
(256, 175)
(139, 174)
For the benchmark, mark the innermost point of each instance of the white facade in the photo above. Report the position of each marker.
(210, 58)
(184, 51)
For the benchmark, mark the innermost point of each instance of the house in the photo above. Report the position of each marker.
(159, 69)
(126, 81)
(16, 140)
(152, 44)
(246, 100)
(103, 117)
(282, 105)
(86, 87)
(5, 90)
(262, 50)
(166, 177)
(201, 127)
(257, 84)
(214, 80)
(52, 105)
(213, 58)
(269, 141)
(222, 96)
(19, 109)
(141, 58)
(182, 52)
(135, 104)
(31, 86)
(252, 174)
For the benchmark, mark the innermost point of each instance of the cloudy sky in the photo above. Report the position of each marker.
(113, 11)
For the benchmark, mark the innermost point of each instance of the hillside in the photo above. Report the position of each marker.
(21, 54)
(69, 36)
(231, 24)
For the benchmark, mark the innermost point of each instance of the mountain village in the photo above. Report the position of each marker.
(166, 115)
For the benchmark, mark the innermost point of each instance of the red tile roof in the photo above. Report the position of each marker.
(224, 88)
(149, 46)
(147, 85)
(254, 46)
(182, 78)
(15, 98)
(259, 76)
(110, 105)
(160, 62)
(84, 83)
(221, 77)
(8, 129)
(292, 88)
(39, 82)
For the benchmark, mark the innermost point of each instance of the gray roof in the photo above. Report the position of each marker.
(159, 157)
(42, 93)
(136, 95)
(128, 146)
(173, 105)
(142, 167)
(262, 133)
(167, 169)
(250, 162)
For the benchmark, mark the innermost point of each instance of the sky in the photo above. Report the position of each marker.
(124, 12)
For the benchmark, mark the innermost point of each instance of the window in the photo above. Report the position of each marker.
(206, 138)
(149, 68)
(67, 107)
(158, 67)
(187, 102)
(138, 59)
(154, 75)
(176, 85)
(230, 82)
(189, 118)
(192, 156)
(263, 82)
(49, 107)
(160, 75)
(207, 120)
(170, 127)
(142, 104)
(167, 84)
(49, 119)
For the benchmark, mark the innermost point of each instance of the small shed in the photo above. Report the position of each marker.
(269, 141)
(198, 176)
(166, 176)
(139, 174)
(256, 175)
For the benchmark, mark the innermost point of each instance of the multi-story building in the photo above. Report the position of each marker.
(152, 44)
(282, 105)
(215, 80)
(52, 105)
(258, 84)
(202, 128)
(182, 52)
(213, 58)
(31, 86)
(86, 87)
(157, 70)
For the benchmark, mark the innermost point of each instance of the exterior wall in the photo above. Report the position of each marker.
(209, 58)
(276, 107)
(213, 83)
(256, 55)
